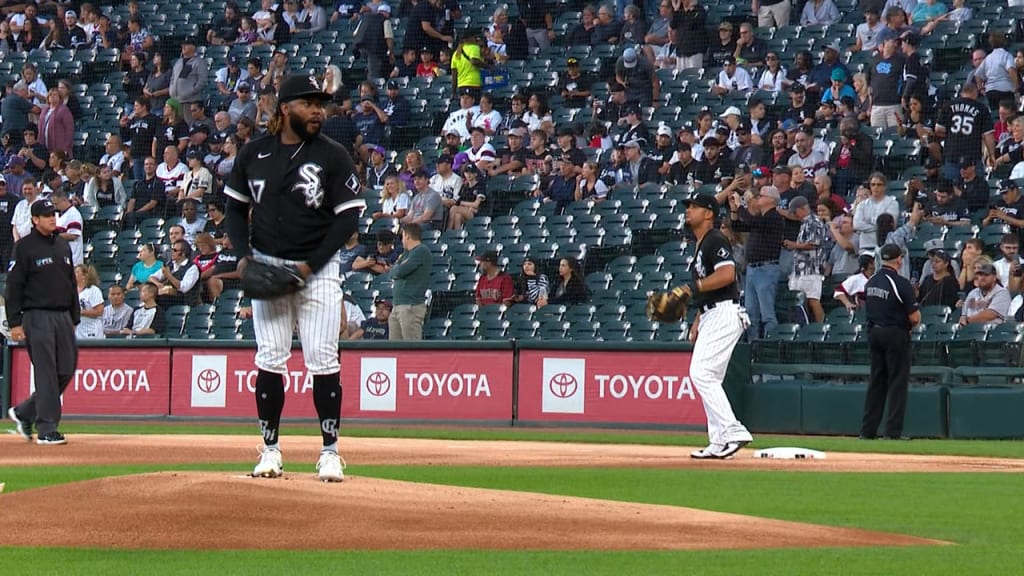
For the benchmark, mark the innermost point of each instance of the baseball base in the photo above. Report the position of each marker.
(789, 453)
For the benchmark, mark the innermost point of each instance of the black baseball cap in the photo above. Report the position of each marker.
(488, 256)
(43, 207)
(1007, 184)
(890, 252)
(295, 87)
(393, 85)
(706, 201)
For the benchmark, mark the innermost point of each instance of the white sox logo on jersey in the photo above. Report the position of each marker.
(311, 186)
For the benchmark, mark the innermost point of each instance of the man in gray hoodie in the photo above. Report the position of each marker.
(188, 78)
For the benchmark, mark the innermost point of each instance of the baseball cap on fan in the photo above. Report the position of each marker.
(296, 86)
(629, 58)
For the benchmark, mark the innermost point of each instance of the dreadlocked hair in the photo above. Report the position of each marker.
(276, 122)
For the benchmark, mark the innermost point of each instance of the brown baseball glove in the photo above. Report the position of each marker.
(668, 306)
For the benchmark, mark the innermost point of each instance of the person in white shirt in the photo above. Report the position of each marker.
(21, 223)
(176, 283)
(191, 222)
(446, 182)
(480, 153)
(851, 292)
(172, 173)
(70, 225)
(988, 302)
(488, 118)
(998, 72)
(113, 154)
(867, 33)
(867, 210)
(117, 315)
(36, 87)
(1009, 265)
(461, 119)
(773, 75)
(90, 301)
(733, 79)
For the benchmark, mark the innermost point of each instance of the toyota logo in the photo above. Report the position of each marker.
(563, 385)
(378, 383)
(208, 381)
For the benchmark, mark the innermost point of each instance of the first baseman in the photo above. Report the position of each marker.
(304, 196)
(716, 329)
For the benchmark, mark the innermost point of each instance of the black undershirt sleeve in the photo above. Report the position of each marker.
(344, 225)
(236, 224)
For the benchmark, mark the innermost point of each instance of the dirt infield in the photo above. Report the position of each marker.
(218, 510)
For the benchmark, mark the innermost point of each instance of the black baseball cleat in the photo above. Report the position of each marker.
(904, 438)
(22, 428)
(730, 449)
(52, 439)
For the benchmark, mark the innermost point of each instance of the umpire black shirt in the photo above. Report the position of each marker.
(42, 278)
(889, 300)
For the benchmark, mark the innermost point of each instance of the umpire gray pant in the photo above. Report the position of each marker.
(50, 339)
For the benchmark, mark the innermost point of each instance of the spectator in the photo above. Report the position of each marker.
(17, 178)
(771, 12)
(117, 315)
(90, 301)
(569, 288)
(997, 73)
(959, 145)
(313, 18)
(413, 163)
(397, 107)
(139, 130)
(634, 27)
(561, 189)
(225, 27)
(33, 151)
(1009, 209)
(689, 22)
(224, 275)
(376, 326)
(819, 13)
(177, 282)
(939, 287)
(471, 198)
(381, 260)
(425, 67)
(867, 33)
(607, 30)
(446, 182)
(842, 259)
(56, 123)
(970, 187)
(511, 159)
(725, 46)
(188, 78)
(158, 84)
(750, 50)
(971, 254)
(15, 109)
(370, 120)
(766, 227)
(173, 130)
(637, 74)
(148, 195)
(395, 199)
(867, 210)
(641, 168)
(70, 225)
(421, 31)
(411, 276)
(588, 185)
(988, 303)
(378, 169)
(850, 293)
(377, 41)
(538, 114)
(350, 252)
(191, 223)
(530, 287)
(581, 34)
(105, 189)
(494, 285)
(230, 78)
(732, 79)
(1009, 266)
(331, 81)
(197, 183)
(487, 118)
(172, 173)
(808, 256)
(657, 40)
(426, 209)
(148, 318)
(884, 78)
(947, 209)
(773, 75)
(958, 14)
(715, 167)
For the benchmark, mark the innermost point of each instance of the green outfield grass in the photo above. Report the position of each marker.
(976, 512)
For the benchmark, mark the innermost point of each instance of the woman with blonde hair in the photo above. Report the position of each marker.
(860, 85)
(105, 190)
(332, 79)
(395, 199)
(90, 300)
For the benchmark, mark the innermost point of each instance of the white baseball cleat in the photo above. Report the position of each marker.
(330, 467)
(270, 465)
(21, 427)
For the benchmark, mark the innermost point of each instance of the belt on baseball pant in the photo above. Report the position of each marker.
(763, 263)
(705, 308)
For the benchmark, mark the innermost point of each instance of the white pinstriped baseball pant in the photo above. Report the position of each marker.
(718, 332)
(316, 308)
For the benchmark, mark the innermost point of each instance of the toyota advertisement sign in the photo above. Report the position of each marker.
(108, 381)
(221, 383)
(608, 387)
(462, 385)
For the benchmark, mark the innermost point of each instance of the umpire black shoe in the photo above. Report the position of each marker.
(52, 439)
(22, 428)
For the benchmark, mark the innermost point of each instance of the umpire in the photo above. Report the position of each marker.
(42, 309)
(891, 312)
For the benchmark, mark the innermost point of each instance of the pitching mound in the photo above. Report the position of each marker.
(220, 511)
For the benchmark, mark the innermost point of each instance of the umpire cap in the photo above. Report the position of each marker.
(294, 87)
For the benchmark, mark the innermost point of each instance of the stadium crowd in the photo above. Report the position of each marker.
(823, 132)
